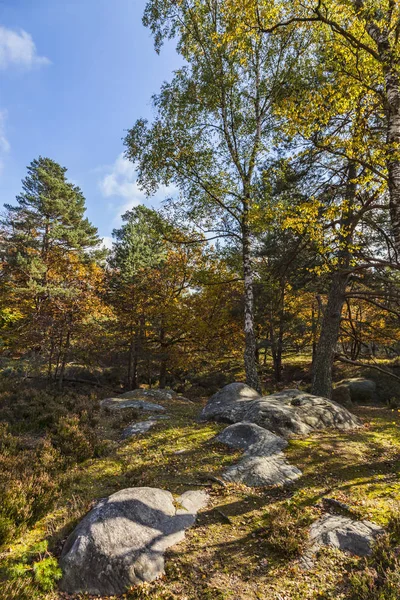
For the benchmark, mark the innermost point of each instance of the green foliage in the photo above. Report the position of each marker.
(72, 439)
(46, 573)
(285, 530)
(36, 571)
(378, 577)
(28, 487)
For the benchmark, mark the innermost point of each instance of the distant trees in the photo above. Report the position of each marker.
(50, 274)
(157, 286)
(281, 136)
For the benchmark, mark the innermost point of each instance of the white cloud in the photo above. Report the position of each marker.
(18, 48)
(4, 143)
(120, 181)
(107, 242)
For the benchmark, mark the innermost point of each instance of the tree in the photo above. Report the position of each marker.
(359, 40)
(49, 256)
(213, 128)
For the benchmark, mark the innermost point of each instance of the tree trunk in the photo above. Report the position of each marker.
(250, 363)
(325, 352)
(163, 373)
(50, 361)
(388, 56)
(326, 347)
(393, 161)
(132, 361)
(64, 360)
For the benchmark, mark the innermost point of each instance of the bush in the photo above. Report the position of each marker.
(285, 530)
(38, 409)
(46, 573)
(379, 575)
(28, 486)
(36, 571)
(74, 439)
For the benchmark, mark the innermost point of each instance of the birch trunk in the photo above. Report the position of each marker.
(250, 350)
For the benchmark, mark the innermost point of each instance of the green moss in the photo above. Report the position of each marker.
(237, 548)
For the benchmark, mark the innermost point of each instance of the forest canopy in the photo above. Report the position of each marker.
(280, 133)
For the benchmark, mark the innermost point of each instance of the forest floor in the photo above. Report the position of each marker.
(246, 545)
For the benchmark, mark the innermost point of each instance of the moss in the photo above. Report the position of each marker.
(230, 552)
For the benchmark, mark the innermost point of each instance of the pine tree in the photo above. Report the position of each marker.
(48, 249)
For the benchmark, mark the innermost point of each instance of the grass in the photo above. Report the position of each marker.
(246, 544)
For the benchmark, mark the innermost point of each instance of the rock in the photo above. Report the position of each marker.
(285, 413)
(156, 394)
(344, 533)
(362, 391)
(262, 471)
(341, 395)
(121, 403)
(229, 404)
(137, 428)
(121, 542)
(263, 463)
(253, 439)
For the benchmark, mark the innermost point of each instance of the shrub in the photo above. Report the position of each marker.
(38, 409)
(74, 439)
(46, 573)
(28, 486)
(36, 571)
(285, 530)
(379, 575)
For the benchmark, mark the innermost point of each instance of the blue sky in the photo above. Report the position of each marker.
(75, 74)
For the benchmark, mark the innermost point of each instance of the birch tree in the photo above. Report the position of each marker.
(213, 129)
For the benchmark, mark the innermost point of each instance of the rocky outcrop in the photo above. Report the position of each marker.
(341, 395)
(120, 403)
(263, 471)
(344, 533)
(263, 462)
(229, 404)
(137, 428)
(286, 413)
(252, 438)
(122, 541)
(360, 390)
(157, 395)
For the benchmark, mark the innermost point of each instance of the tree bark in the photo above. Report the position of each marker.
(133, 360)
(64, 360)
(163, 360)
(393, 161)
(250, 362)
(326, 347)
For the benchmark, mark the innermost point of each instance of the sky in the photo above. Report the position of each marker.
(74, 76)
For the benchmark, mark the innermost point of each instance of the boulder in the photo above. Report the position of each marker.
(362, 391)
(121, 403)
(263, 463)
(341, 395)
(229, 404)
(137, 428)
(286, 413)
(155, 394)
(263, 471)
(252, 438)
(121, 542)
(344, 533)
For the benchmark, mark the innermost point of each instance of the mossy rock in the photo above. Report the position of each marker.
(361, 390)
(341, 394)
